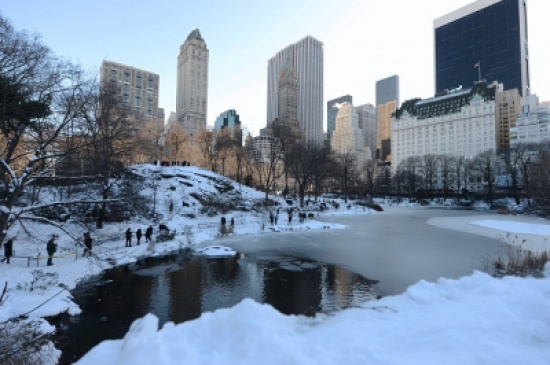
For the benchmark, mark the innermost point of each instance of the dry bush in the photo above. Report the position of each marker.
(23, 343)
(516, 261)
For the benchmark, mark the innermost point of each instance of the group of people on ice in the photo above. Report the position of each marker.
(274, 216)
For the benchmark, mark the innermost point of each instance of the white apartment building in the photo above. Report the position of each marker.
(533, 123)
(306, 57)
(192, 83)
(459, 123)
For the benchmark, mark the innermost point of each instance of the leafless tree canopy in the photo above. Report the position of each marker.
(39, 97)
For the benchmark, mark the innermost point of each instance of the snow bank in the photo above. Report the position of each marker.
(474, 320)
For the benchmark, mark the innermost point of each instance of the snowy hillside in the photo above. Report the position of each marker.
(192, 191)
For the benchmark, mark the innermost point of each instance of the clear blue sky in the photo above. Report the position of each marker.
(364, 41)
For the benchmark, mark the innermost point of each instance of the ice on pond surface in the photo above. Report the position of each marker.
(218, 251)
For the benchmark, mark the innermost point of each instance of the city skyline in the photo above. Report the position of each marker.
(356, 52)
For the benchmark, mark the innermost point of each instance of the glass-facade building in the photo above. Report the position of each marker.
(387, 102)
(484, 40)
(387, 90)
(231, 121)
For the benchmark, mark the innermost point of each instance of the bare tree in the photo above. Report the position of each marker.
(410, 178)
(224, 147)
(268, 165)
(512, 166)
(111, 132)
(429, 167)
(288, 137)
(346, 172)
(206, 141)
(322, 168)
(539, 177)
(39, 97)
(176, 143)
(369, 168)
(485, 163)
(460, 169)
(240, 155)
(305, 161)
(445, 163)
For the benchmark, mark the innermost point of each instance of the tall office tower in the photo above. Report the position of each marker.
(332, 109)
(387, 102)
(306, 56)
(367, 123)
(138, 89)
(484, 40)
(230, 121)
(348, 137)
(508, 106)
(192, 87)
(286, 125)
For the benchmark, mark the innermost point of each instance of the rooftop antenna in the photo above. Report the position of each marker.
(478, 65)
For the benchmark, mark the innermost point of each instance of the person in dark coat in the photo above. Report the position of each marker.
(8, 250)
(138, 235)
(148, 234)
(51, 247)
(289, 217)
(87, 238)
(128, 238)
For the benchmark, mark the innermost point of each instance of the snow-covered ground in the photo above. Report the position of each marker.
(526, 232)
(476, 319)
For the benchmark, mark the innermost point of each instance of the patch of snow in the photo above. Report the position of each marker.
(218, 251)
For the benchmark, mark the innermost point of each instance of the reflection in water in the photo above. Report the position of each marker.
(179, 288)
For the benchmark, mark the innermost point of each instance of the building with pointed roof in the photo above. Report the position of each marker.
(192, 84)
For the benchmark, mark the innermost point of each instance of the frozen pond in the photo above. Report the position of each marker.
(297, 272)
(397, 247)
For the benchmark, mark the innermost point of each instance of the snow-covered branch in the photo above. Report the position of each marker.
(21, 211)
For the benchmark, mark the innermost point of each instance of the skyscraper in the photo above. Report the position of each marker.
(367, 123)
(486, 39)
(306, 57)
(332, 109)
(286, 125)
(137, 89)
(348, 137)
(192, 84)
(508, 106)
(387, 102)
